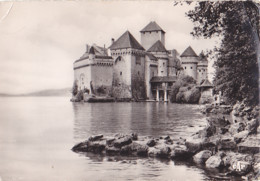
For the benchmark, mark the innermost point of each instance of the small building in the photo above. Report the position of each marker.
(206, 90)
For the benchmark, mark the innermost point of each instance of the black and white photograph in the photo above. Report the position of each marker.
(129, 90)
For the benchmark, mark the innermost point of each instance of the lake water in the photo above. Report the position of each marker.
(37, 134)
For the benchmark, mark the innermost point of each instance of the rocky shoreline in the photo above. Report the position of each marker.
(229, 144)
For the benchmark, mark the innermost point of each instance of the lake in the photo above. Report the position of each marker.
(37, 134)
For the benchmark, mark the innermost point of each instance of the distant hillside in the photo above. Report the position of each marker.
(49, 92)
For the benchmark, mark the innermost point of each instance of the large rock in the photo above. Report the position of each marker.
(111, 150)
(151, 143)
(236, 128)
(227, 144)
(196, 144)
(214, 162)
(240, 167)
(180, 152)
(122, 141)
(135, 149)
(95, 137)
(250, 145)
(90, 146)
(252, 126)
(202, 156)
(241, 136)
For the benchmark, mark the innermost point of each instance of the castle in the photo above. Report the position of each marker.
(128, 69)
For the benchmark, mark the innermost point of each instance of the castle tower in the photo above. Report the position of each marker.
(189, 62)
(160, 52)
(152, 33)
(202, 69)
(129, 67)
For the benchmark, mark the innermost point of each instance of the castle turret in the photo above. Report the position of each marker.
(160, 52)
(189, 62)
(129, 67)
(202, 68)
(151, 34)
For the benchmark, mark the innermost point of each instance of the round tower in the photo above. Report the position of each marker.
(202, 69)
(189, 62)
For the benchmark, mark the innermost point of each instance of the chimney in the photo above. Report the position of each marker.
(112, 41)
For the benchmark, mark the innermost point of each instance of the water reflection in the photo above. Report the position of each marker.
(149, 119)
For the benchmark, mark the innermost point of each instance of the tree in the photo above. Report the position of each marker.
(237, 23)
(75, 88)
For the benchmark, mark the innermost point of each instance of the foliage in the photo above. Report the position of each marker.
(237, 22)
(75, 88)
(184, 91)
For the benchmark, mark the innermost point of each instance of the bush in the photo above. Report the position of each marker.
(192, 96)
(75, 88)
(183, 84)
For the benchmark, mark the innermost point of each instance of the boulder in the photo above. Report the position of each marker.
(96, 146)
(135, 149)
(227, 144)
(153, 152)
(164, 151)
(80, 147)
(95, 137)
(252, 126)
(180, 152)
(214, 162)
(236, 128)
(122, 141)
(134, 136)
(240, 167)
(195, 144)
(250, 145)
(202, 156)
(111, 150)
(151, 143)
(241, 136)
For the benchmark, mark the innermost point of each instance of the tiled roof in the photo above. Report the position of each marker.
(157, 47)
(152, 26)
(189, 52)
(164, 79)
(206, 83)
(127, 40)
(151, 56)
(202, 57)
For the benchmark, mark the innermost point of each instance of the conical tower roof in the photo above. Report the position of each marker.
(189, 52)
(206, 83)
(127, 40)
(152, 26)
(157, 47)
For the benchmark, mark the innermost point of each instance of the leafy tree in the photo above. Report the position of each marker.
(237, 23)
(75, 88)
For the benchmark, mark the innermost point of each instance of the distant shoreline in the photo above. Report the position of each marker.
(44, 93)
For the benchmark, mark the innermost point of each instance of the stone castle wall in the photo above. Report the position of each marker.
(149, 38)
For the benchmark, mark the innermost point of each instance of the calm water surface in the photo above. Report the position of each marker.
(37, 134)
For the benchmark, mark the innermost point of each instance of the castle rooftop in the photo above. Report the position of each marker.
(157, 47)
(189, 52)
(152, 26)
(127, 40)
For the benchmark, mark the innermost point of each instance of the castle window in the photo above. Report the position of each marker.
(163, 63)
(161, 71)
(184, 67)
(190, 67)
(199, 70)
(138, 60)
(138, 73)
(120, 73)
(204, 70)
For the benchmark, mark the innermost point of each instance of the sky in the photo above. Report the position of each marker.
(39, 41)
